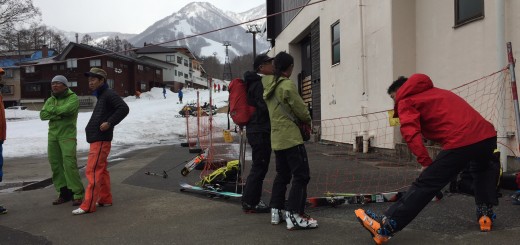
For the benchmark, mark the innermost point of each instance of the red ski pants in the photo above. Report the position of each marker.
(98, 189)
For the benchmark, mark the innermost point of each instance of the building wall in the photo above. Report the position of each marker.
(356, 80)
(14, 81)
(382, 39)
(180, 67)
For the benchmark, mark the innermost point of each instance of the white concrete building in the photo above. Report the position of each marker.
(177, 63)
(347, 52)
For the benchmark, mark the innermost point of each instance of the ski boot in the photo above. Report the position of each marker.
(380, 227)
(297, 221)
(485, 217)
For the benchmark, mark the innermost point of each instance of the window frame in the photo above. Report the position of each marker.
(8, 90)
(460, 22)
(170, 58)
(95, 62)
(111, 83)
(30, 69)
(335, 42)
(72, 63)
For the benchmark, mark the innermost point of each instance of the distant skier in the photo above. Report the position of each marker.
(180, 96)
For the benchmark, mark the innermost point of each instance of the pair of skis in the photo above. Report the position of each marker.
(336, 199)
(194, 162)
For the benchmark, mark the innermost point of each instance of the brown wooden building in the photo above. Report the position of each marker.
(125, 74)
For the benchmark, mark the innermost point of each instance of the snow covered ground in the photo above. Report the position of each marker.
(152, 121)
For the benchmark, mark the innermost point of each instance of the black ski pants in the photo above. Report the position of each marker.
(261, 154)
(292, 164)
(444, 168)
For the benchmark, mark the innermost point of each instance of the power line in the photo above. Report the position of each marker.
(204, 33)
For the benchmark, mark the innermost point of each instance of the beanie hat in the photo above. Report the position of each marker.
(61, 79)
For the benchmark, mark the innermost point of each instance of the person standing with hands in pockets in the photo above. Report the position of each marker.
(110, 110)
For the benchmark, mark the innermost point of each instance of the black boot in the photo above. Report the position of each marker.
(65, 196)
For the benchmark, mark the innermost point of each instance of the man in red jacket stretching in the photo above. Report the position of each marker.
(466, 138)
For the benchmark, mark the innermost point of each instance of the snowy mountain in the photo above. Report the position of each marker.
(201, 17)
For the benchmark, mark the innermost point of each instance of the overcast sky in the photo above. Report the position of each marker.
(126, 16)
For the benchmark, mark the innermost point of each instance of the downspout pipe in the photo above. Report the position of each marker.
(501, 63)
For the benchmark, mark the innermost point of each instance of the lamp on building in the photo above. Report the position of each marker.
(253, 29)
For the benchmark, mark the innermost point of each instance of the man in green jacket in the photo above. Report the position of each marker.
(61, 109)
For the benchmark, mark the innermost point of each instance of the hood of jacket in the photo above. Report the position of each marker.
(417, 83)
(270, 85)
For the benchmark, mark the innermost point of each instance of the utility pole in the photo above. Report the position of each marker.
(227, 76)
(253, 29)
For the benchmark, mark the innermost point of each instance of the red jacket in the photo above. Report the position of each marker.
(439, 115)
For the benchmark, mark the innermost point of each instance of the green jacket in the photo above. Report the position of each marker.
(62, 113)
(284, 132)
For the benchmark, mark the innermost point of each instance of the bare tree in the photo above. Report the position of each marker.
(86, 39)
(212, 66)
(241, 64)
(13, 12)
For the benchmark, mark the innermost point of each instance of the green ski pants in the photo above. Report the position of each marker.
(62, 158)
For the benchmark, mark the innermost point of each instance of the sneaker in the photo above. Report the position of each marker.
(261, 207)
(103, 204)
(277, 216)
(79, 211)
(515, 198)
(3, 210)
(485, 217)
(372, 223)
(298, 222)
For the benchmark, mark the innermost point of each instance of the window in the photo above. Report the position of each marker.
(110, 83)
(55, 67)
(29, 69)
(95, 63)
(72, 63)
(179, 59)
(335, 43)
(170, 58)
(33, 87)
(73, 84)
(467, 11)
(175, 72)
(158, 72)
(110, 64)
(62, 67)
(8, 89)
(9, 73)
(180, 73)
(185, 62)
(186, 76)
(143, 86)
(140, 67)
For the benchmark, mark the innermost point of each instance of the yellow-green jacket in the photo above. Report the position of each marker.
(62, 113)
(284, 132)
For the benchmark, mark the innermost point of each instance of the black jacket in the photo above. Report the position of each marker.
(109, 108)
(259, 122)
